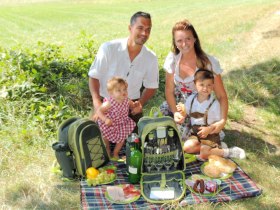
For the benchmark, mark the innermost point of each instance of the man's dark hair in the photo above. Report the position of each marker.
(139, 14)
(202, 74)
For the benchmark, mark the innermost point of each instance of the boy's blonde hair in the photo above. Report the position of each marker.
(115, 82)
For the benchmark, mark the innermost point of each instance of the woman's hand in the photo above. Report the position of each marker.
(218, 126)
(181, 108)
(178, 117)
(204, 131)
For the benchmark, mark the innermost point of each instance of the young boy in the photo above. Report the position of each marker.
(204, 110)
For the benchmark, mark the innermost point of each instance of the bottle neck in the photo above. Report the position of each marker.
(136, 145)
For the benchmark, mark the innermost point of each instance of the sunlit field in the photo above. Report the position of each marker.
(46, 48)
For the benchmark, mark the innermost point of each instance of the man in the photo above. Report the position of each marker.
(130, 59)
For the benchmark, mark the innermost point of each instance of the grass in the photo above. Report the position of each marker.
(242, 34)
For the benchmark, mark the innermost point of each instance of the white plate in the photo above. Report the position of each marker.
(126, 201)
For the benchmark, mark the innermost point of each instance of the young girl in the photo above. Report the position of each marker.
(114, 123)
(204, 110)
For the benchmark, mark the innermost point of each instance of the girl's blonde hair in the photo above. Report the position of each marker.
(115, 82)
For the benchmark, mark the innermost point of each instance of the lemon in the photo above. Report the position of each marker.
(92, 173)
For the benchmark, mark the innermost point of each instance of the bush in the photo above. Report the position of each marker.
(51, 86)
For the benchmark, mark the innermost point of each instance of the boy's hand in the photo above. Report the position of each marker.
(178, 117)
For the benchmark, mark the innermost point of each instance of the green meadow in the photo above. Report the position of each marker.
(47, 47)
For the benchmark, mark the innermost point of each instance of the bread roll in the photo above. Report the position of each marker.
(224, 165)
(214, 158)
(183, 108)
(212, 171)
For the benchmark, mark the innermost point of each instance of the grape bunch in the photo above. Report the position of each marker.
(105, 175)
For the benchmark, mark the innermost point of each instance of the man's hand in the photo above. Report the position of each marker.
(136, 108)
(94, 117)
(96, 111)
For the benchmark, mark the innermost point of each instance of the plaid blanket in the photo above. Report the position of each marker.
(94, 197)
(239, 186)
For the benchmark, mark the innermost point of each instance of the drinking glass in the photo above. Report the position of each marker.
(148, 164)
(159, 163)
(168, 162)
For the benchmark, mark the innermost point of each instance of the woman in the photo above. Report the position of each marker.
(180, 65)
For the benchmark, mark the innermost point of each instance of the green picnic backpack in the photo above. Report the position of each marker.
(79, 147)
(163, 179)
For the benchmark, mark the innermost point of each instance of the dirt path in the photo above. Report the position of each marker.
(264, 41)
(263, 44)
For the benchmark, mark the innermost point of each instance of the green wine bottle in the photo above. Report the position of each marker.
(135, 163)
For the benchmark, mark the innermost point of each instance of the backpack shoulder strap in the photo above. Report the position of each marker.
(206, 112)
(192, 102)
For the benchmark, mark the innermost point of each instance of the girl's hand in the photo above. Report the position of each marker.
(108, 121)
(178, 117)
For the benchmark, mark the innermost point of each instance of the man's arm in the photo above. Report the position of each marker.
(101, 113)
(94, 88)
(147, 94)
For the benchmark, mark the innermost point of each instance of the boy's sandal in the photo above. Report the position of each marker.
(113, 159)
(121, 160)
(189, 158)
(200, 159)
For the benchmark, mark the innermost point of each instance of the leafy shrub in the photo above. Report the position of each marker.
(52, 86)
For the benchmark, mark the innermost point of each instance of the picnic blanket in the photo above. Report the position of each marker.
(239, 186)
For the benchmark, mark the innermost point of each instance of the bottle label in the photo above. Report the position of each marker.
(132, 170)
